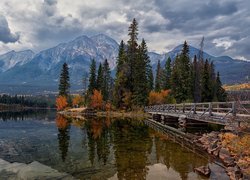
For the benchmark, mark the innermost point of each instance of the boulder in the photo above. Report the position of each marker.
(203, 170)
(225, 157)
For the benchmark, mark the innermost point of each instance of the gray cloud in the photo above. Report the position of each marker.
(5, 34)
(163, 23)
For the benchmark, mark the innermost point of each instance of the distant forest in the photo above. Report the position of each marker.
(27, 101)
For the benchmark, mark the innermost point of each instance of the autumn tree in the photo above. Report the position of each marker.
(64, 84)
(77, 100)
(158, 97)
(97, 100)
(61, 103)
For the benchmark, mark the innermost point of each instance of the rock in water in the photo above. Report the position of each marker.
(203, 170)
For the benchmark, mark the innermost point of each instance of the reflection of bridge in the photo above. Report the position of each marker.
(224, 113)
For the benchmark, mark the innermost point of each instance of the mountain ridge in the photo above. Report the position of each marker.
(44, 67)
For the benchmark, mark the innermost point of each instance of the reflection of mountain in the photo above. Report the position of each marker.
(63, 135)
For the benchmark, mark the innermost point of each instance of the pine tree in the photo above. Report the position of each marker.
(196, 81)
(100, 77)
(168, 72)
(106, 87)
(64, 81)
(181, 76)
(206, 84)
(92, 79)
(132, 52)
(220, 92)
(140, 76)
(158, 78)
(122, 77)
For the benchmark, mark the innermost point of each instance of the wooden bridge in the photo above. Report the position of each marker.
(224, 113)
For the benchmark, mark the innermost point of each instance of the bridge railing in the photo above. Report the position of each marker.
(222, 110)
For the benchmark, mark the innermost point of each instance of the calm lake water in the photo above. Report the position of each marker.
(97, 148)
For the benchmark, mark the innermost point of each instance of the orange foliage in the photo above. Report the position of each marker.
(76, 100)
(239, 147)
(96, 99)
(61, 103)
(61, 122)
(158, 97)
(108, 107)
(96, 128)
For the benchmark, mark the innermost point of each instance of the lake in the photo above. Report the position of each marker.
(96, 148)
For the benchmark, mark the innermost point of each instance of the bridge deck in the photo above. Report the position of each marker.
(214, 112)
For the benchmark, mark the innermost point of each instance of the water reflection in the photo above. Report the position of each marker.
(99, 140)
(63, 136)
(132, 145)
(98, 148)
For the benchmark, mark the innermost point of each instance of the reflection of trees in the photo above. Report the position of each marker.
(63, 135)
(98, 140)
(180, 159)
(132, 145)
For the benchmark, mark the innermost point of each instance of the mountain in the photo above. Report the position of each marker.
(13, 58)
(44, 69)
(25, 72)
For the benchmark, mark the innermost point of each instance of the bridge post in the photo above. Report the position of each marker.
(234, 108)
(194, 108)
(210, 109)
(183, 108)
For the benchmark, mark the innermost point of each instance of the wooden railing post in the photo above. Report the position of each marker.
(210, 109)
(234, 108)
(183, 108)
(194, 108)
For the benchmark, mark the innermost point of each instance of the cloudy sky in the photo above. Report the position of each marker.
(41, 24)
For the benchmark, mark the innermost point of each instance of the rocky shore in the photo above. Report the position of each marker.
(218, 145)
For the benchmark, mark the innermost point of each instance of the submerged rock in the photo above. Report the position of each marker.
(203, 170)
(34, 170)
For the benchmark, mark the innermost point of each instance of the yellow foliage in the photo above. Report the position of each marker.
(237, 87)
(158, 97)
(61, 103)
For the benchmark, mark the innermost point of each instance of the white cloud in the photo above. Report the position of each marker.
(224, 42)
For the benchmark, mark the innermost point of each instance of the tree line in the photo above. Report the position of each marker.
(24, 101)
(134, 85)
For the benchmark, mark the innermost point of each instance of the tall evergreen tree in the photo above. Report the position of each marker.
(168, 71)
(64, 81)
(106, 87)
(92, 78)
(220, 92)
(158, 77)
(100, 76)
(181, 76)
(206, 84)
(196, 81)
(140, 76)
(122, 77)
(132, 52)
